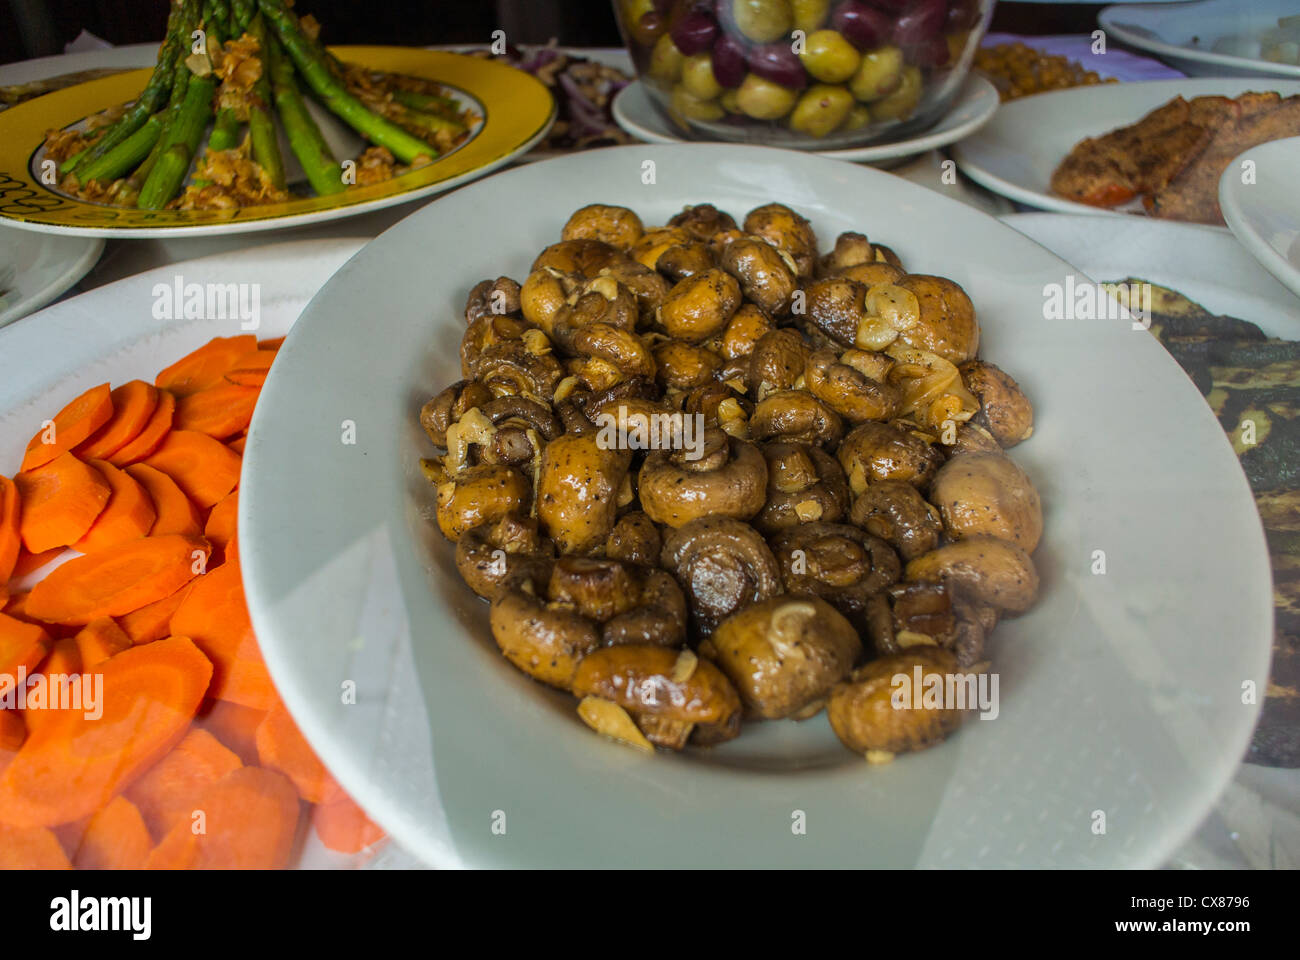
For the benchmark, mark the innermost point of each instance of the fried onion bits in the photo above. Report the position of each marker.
(708, 472)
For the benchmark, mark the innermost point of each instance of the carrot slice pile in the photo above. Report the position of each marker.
(114, 582)
(10, 537)
(152, 621)
(153, 433)
(206, 366)
(343, 826)
(22, 645)
(205, 468)
(170, 792)
(115, 838)
(74, 766)
(99, 640)
(251, 369)
(215, 616)
(133, 405)
(129, 514)
(221, 411)
(156, 714)
(70, 426)
(60, 499)
(282, 747)
(250, 821)
(174, 512)
(31, 848)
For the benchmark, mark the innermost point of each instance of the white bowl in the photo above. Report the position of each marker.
(1120, 694)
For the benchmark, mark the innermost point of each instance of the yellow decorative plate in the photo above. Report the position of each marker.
(517, 112)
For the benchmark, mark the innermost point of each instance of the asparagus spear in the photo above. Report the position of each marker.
(225, 136)
(261, 125)
(427, 102)
(404, 146)
(151, 98)
(126, 156)
(183, 133)
(323, 172)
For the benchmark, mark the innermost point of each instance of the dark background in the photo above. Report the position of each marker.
(38, 28)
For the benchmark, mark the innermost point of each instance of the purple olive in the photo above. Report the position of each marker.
(663, 7)
(860, 25)
(922, 22)
(729, 66)
(890, 6)
(929, 53)
(780, 64)
(694, 33)
(962, 15)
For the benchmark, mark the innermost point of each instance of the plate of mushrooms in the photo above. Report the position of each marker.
(706, 505)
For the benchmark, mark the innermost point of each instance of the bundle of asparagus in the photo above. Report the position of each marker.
(236, 65)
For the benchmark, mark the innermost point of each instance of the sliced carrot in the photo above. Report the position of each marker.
(343, 826)
(250, 822)
(152, 621)
(234, 725)
(13, 730)
(251, 369)
(11, 542)
(221, 525)
(270, 343)
(60, 501)
(179, 850)
(221, 411)
(116, 581)
(238, 444)
(76, 764)
(130, 513)
(149, 438)
(215, 616)
(116, 838)
(206, 366)
(70, 835)
(133, 405)
(29, 562)
(282, 747)
(176, 513)
(169, 793)
(22, 645)
(70, 426)
(99, 640)
(60, 668)
(206, 469)
(31, 848)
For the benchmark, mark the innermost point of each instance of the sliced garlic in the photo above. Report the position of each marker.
(611, 720)
(808, 510)
(878, 757)
(684, 667)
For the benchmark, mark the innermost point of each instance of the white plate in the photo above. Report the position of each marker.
(110, 334)
(128, 57)
(1183, 35)
(1264, 214)
(34, 270)
(976, 103)
(1118, 692)
(1207, 265)
(1016, 153)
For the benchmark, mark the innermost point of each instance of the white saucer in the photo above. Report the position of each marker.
(975, 105)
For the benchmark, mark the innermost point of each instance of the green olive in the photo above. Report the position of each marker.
(666, 61)
(879, 75)
(858, 118)
(821, 109)
(763, 99)
(686, 104)
(809, 15)
(829, 57)
(763, 21)
(634, 10)
(730, 101)
(900, 104)
(698, 79)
